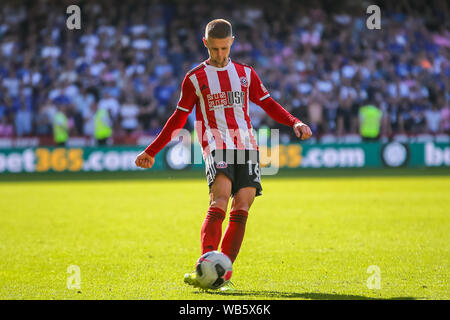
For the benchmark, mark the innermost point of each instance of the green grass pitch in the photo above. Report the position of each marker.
(306, 238)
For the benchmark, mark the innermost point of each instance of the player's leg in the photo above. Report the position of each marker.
(234, 234)
(243, 199)
(246, 187)
(211, 232)
(220, 192)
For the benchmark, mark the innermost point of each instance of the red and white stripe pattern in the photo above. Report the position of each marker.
(222, 98)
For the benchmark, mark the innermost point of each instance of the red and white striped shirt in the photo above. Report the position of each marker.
(222, 97)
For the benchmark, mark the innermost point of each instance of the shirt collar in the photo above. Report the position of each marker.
(206, 63)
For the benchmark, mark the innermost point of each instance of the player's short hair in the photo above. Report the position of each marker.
(218, 29)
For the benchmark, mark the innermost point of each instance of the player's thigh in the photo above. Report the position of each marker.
(220, 192)
(243, 199)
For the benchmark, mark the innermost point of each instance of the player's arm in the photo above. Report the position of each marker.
(177, 120)
(260, 96)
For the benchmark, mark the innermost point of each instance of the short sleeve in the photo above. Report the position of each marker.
(257, 90)
(188, 96)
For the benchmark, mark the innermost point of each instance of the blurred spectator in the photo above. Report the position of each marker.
(103, 127)
(42, 121)
(129, 113)
(445, 119)
(23, 121)
(88, 120)
(433, 119)
(370, 122)
(6, 128)
(111, 104)
(315, 114)
(60, 126)
(83, 100)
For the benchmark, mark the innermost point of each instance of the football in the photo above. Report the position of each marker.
(213, 270)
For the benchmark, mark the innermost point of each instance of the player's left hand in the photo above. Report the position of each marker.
(302, 131)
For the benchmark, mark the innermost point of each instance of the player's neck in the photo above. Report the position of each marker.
(211, 63)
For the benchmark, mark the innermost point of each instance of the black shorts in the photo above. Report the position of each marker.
(240, 166)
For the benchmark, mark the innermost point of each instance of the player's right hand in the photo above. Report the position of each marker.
(144, 160)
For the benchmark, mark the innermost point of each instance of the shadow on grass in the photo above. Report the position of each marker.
(296, 295)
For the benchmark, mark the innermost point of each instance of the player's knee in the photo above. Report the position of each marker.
(241, 204)
(219, 202)
(243, 200)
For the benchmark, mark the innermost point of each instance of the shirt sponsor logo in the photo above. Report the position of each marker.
(228, 99)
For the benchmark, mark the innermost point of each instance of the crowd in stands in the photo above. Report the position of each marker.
(320, 62)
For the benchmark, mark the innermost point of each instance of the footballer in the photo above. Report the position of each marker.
(221, 90)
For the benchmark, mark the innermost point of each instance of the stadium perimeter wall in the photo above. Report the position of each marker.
(179, 156)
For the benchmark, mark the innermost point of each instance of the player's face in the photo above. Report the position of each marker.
(219, 50)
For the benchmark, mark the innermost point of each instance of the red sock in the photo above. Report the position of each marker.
(212, 229)
(234, 234)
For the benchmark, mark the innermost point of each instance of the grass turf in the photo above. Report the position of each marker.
(306, 238)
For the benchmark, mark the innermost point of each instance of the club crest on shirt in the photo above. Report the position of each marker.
(244, 81)
(221, 165)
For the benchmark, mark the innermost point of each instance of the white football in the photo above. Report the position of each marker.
(213, 269)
